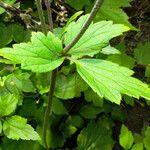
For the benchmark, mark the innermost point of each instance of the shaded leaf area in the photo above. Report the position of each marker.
(95, 136)
(95, 38)
(41, 55)
(109, 80)
(13, 32)
(17, 128)
(142, 53)
(69, 86)
(59, 131)
(21, 145)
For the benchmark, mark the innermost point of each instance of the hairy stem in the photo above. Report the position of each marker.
(49, 13)
(41, 16)
(49, 106)
(93, 13)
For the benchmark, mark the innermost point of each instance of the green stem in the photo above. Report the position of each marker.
(49, 106)
(49, 13)
(41, 16)
(93, 13)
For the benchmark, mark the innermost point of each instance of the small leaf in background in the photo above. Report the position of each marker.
(75, 120)
(126, 138)
(90, 112)
(95, 38)
(78, 4)
(74, 17)
(142, 53)
(122, 60)
(95, 137)
(1, 126)
(109, 80)
(69, 86)
(19, 34)
(58, 107)
(21, 81)
(138, 138)
(41, 55)
(5, 35)
(42, 82)
(91, 96)
(20, 145)
(147, 71)
(110, 50)
(118, 114)
(8, 104)
(17, 128)
(147, 138)
(137, 146)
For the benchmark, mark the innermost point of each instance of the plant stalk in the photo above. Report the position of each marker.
(41, 16)
(49, 13)
(93, 13)
(49, 106)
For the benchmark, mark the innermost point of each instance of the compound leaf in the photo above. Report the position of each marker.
(41, 55)
(109, 80)
(17, 128)
(95, 38)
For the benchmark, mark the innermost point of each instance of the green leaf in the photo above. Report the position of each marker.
(5, 35)
(90, 112)
(58, 107)
(95, 38)
(109, 80)
(72, 18)
(147, 71)
(41, 55)
(76, 120)
(78, 4)
(110, 50)
(42, 82)
(19, 34)
(8, 104)
(137, 146)
(1, 126)
(69, 86)
(21, 81)
(111, 10)
(8, 144)
(122, 60)
(94, 137)
(147, 138)
(142, 53)
(126, 138)
(91, 96)
(17, 128)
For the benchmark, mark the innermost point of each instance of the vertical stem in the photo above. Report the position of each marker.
(48, 110)
(41, 16)
(49, 106)
(49, 13)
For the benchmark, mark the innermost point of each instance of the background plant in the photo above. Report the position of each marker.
(86, 77)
